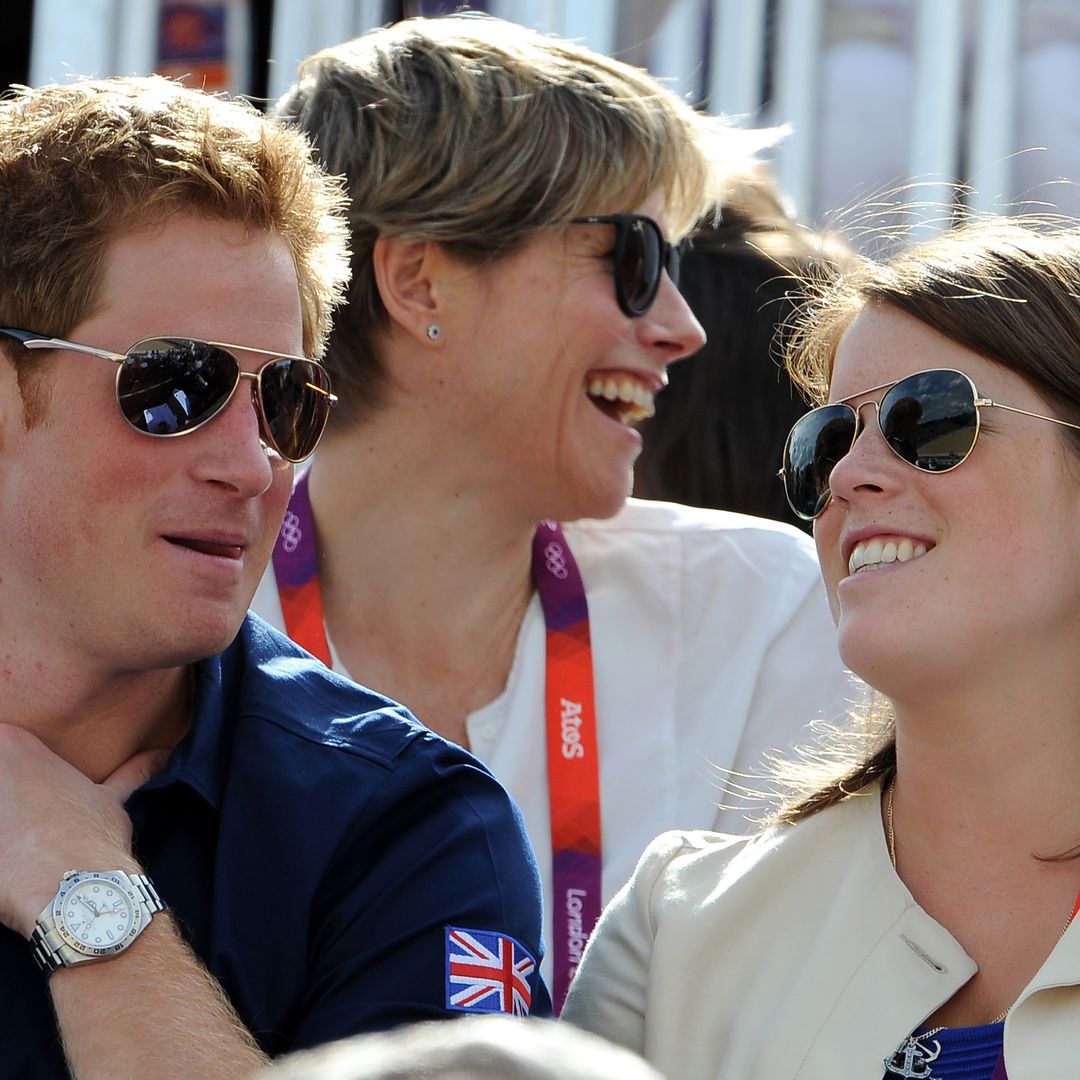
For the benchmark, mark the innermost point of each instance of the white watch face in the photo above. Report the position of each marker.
(98, 914)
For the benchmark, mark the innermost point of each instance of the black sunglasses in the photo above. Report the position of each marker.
(929, 419)
(641, 256)
(173, 385)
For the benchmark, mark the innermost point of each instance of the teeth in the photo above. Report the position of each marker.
(882, 551)
(637, 398)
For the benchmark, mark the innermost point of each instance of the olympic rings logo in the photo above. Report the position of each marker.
(291, 533)
(555, 560)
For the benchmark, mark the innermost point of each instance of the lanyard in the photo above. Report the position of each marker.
(296, 569)
(572, 759)
(569, 709)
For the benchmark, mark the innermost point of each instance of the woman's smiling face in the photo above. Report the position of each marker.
(991, 569)
(553, 374)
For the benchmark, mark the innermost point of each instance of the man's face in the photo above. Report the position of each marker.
(127, 552)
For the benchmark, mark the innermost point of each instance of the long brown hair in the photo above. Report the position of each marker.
(1005, 288)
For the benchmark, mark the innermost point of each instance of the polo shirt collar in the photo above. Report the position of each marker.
(200, 760)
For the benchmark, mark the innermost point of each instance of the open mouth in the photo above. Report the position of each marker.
(620, 397)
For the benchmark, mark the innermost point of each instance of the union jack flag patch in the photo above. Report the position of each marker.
(487, 972)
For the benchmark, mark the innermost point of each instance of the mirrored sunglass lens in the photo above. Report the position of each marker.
(169, 385)
(930, 419)
(816, 443)
(293, 407)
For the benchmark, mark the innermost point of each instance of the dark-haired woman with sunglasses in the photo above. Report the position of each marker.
(517, 203)
(910, 912)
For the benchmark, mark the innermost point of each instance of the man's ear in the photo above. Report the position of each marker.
(407, 276)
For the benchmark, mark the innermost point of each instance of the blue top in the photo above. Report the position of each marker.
(316, 845)
(963, 1053)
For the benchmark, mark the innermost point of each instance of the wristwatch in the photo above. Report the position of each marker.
(95, 915)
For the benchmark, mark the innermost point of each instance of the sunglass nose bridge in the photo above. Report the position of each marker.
(860, 422)
(256, 404)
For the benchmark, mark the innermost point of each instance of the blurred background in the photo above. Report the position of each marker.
(899, 116)
(877, 93)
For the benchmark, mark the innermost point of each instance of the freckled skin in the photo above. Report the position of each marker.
(962, 610)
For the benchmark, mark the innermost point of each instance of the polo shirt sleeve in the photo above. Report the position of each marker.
(437, 865)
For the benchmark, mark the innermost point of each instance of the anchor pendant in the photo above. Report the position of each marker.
(913, 1060)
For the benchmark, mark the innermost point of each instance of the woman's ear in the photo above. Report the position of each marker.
(407, 276)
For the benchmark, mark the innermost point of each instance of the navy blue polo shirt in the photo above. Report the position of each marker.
(324, 854)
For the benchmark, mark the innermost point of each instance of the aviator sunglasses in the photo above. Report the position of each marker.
(929, 419)
(170, 386)
(641, 256)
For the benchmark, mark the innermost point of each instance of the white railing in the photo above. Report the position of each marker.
(723, 69)
(114, 37)
(738, 50)
(303, 28)
(91, 37)
(798, 50)
(994, 92)
(592, 23)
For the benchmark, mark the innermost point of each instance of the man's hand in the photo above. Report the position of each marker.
(53, 818)
(150, 1010)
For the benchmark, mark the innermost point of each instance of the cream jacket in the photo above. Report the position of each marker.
(798, 954)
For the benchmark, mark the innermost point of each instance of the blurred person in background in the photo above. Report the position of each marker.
(721, 422)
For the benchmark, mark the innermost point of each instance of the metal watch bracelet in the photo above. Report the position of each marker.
(51, 951)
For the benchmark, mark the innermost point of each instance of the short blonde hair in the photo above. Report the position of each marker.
(475, 133)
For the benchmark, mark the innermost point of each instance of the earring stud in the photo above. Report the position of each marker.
(434, 332)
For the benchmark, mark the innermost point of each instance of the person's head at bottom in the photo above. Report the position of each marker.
(472, 1048)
